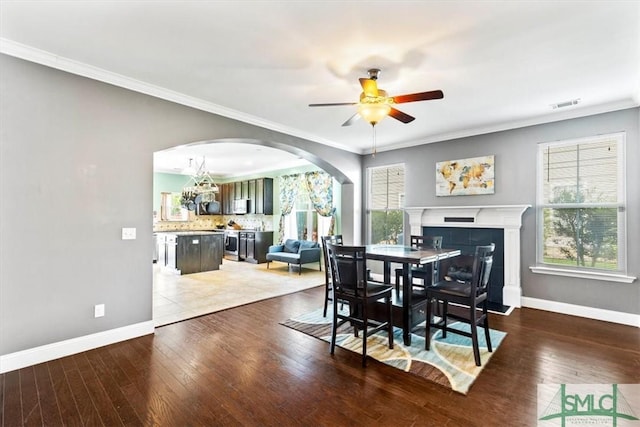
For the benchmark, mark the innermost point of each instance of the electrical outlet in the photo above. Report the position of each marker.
(128, 233)
(98, 310)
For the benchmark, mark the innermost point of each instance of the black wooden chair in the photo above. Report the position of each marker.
(468, 294)
(335, 239)
(424, 271)
(350, 284)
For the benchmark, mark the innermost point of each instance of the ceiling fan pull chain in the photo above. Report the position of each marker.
(373, 154)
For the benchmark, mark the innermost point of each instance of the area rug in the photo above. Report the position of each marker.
(449, 362)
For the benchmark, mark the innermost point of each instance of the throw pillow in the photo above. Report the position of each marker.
(306, 244)
(291, 246)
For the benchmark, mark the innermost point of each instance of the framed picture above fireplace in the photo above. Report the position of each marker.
(465, 177)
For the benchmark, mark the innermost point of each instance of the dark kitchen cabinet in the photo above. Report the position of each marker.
(228, 196)
(257, 245)
(244, 185)
(264, 196)
(211, 251)
(242, 246)
(188, 254)
(259, 193)
(191, 252)
(252, 196)
(261, 196)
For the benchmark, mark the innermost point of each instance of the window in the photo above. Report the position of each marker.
(172, 208)
(385, 204)
(304, 223)
(581, 204)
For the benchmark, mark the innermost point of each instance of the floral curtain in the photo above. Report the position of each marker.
(289, 185)
(320, 187)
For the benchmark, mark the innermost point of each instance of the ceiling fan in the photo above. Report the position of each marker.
(375, 104)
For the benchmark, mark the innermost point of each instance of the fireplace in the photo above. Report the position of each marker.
(466, 239)
(506, 218)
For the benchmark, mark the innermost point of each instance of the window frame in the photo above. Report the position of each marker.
(619, 275)
(369, 198)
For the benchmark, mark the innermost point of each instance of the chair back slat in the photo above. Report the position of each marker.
(482, 263)
(335, 239)
(348, 268)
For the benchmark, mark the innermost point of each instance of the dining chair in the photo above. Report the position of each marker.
(423, 271)
(350, 284)
(335, 239)
(467, 294)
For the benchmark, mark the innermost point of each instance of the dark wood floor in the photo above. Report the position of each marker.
(240, 367)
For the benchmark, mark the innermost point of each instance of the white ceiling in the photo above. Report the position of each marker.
(500, 64)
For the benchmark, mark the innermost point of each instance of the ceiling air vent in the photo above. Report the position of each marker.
(566, 103)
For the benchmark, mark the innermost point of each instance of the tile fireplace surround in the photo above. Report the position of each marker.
(506, 217)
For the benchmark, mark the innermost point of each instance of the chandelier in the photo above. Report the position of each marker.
(200, 188)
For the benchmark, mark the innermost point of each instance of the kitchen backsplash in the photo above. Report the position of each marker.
(210, 222)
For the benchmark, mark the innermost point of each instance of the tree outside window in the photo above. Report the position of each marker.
(582, 203)
(386, 204)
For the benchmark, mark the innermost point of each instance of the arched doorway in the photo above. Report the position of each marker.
(177, 297)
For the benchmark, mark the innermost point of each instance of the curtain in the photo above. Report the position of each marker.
(320, 187)
(288, 193)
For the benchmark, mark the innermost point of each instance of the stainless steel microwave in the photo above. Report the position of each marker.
(240, 206)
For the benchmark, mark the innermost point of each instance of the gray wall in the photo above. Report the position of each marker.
(515, 177)
(76, 166)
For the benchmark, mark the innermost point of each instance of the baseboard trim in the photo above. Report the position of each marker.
(583, 311)
(45, 353)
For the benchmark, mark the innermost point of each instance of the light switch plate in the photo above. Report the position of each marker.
(98, 310)
(128, 233)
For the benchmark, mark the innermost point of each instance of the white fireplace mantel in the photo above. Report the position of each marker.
(506, 217)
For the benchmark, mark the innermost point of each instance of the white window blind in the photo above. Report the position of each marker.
(385, 203)
(581, 203)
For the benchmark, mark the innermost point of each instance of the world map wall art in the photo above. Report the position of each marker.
(465, 177)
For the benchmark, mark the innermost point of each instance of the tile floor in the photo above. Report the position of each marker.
(178, 297)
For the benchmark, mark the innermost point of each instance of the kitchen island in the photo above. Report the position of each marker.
(186, 252)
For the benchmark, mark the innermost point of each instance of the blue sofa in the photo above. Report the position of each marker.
(295, 252)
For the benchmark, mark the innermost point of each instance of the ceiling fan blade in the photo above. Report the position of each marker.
(399, 115)
(421, 96)
(351, 120)
(369, 87)
(333, 104)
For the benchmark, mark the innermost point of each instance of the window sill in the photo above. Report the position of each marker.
(609, 277)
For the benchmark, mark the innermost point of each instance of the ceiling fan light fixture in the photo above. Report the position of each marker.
(373, 113)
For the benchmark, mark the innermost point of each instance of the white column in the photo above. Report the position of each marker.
(512, 290)
(415, 221)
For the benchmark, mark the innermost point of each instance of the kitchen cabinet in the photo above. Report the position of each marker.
(255, 246)
(244, 185)
(259, 192)
(228, 196)
(161, 249)
(252, 196)
(263, 201)
(242, 246)
(194, 251)
(171, 241)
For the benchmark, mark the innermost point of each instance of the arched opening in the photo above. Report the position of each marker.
(178, 297)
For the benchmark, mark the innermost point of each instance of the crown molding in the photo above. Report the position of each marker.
(539, 120)
(42, 57)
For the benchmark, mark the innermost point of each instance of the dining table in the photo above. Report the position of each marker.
(408, 256)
